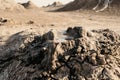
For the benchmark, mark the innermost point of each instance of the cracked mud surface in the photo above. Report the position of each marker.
(82, 55)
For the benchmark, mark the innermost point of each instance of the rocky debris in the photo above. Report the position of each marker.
(29, 5)
(3, 21)
(6, 21)
(86, 55)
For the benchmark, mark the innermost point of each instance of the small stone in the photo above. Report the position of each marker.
(67, 57)
(52, 25)
(30, 22)
(79, 49)
(101, 59)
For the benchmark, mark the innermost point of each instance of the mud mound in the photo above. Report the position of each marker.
(79, 4)
(55, 4)
(10, 5)
(29, 5)
(89, 5)
(82, 55)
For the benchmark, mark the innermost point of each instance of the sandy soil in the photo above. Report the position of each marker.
(45, 20)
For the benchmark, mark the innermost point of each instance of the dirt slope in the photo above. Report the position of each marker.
(78, 4)
(10, 5)
(89, 5)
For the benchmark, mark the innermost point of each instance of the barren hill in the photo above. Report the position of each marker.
(29, 5)
(10, 5)
(55, 4)
(90, 4)
(76, 4)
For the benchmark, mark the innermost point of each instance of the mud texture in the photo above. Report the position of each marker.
(84, 55)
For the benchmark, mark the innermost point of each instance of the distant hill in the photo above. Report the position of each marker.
(55, 4)
(29, 5)
(89, 4)
(10, 5)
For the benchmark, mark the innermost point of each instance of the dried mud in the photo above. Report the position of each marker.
(83, 55)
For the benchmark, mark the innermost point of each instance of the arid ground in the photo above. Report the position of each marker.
(45, 19)
(32, 45)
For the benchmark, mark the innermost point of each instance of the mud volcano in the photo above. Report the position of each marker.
(90, 4)
(82, 55)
